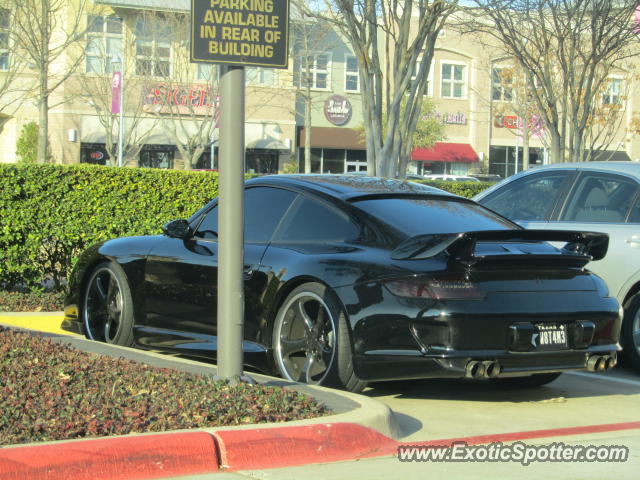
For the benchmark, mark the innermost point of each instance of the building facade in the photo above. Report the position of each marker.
(312, 108)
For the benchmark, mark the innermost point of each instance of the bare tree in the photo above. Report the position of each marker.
(48, 33)
(569, 48)
(312, 39)
(394, 41)
(14, 83)
(182, 96)
(511, 96)
(95, 87)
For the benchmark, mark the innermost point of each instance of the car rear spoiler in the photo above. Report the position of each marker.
(581, 246)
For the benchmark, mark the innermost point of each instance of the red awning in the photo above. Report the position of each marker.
(446, 152)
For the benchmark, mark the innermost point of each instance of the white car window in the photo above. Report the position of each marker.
(529, 198)
(600, 197)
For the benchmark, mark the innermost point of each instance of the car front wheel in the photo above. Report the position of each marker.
(107, 308)
(311, 341)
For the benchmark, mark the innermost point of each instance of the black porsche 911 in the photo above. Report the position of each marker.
(354, 279)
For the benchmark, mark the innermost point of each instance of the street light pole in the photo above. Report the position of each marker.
(121, 126)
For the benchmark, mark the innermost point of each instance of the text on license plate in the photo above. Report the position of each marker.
(551, 335)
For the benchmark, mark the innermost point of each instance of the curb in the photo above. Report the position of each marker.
(117, 458)
(155, 456)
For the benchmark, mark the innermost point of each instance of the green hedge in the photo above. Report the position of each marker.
(464, 189)
(50, 213)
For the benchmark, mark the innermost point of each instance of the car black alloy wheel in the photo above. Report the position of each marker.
(107, 306)
(311, 341)
(631, 332)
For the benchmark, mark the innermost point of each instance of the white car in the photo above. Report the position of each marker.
(451, 178)
(589, 196)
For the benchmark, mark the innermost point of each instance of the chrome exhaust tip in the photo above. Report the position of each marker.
(492, 369)
(594, 363)
(474, 369)
(611, 361)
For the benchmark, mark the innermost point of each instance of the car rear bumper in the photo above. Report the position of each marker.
(407, 365)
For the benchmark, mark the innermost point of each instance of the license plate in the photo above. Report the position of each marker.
(550, 336)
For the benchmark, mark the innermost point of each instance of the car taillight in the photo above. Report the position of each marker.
(436, 288)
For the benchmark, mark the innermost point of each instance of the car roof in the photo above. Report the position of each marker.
(349, 187)
(629, 168)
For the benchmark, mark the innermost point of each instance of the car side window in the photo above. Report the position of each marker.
(634, 214)
(264, 208)
(317, 222)
(599, 197)
(208, 228)
(529, 198)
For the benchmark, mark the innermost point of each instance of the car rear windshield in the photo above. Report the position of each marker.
(418, 216)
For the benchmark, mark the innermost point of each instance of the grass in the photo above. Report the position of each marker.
(50, 391)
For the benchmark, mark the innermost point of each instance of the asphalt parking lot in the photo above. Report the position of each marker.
(431, 409)
(444, 409)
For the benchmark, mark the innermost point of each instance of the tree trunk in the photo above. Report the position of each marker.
(43, 128)
(307, 133)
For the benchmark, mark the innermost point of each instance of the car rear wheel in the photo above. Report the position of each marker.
(535, 380)
(311, 341)
(631, 332)
(107, 308)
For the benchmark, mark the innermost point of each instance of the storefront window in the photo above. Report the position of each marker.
(94, 153)
(333, 161)
(157, 156)
(205, 162)
(261, 160)
(502, 160)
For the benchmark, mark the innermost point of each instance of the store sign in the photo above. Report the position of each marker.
(451, 118)
(96, 155)
(535, 125)
(240, 32)
(181, 99)
(337, 109)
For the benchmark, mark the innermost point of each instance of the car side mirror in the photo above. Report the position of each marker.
(177, 229)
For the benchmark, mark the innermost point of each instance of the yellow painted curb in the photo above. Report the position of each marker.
(44, 323)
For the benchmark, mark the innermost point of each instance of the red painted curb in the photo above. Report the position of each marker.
(290, 446)
(192, 453)
(287, 446)
(121, 458)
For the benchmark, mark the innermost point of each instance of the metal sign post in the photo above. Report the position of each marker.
(235, 33)
(230, 223)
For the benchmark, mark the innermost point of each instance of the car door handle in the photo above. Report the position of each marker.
(634, 241)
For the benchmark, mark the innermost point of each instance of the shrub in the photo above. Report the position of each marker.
(50, 391)
(36, 301)
(27, 144)
(50, 213)
(464, 189)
